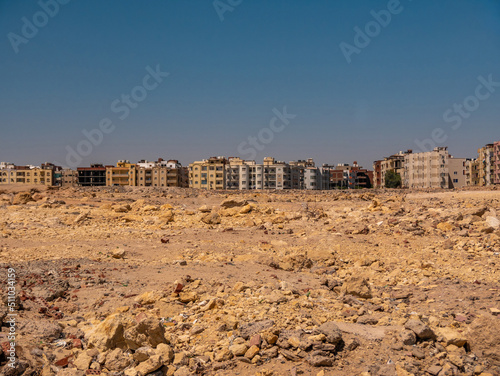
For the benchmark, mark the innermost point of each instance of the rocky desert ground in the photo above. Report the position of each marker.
(144, 281)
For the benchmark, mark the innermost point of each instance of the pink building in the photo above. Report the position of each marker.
(496, 162)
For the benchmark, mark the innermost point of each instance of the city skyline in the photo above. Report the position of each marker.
(354, 89)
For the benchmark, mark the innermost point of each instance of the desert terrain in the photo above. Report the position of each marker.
(145, 281)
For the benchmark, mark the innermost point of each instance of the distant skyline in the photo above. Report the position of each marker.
(359, 80)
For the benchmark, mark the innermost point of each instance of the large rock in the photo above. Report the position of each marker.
(109, 333)
(331, 331)
(117, 360)
(150, 365)
(166, 353)
(357, 286)
(226, 204)
(484, 337)
(148, 332)
(248, 330)
(22, 198)
(421, 330)
(211, 219)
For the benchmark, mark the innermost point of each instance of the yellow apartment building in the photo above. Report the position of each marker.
(208, 174)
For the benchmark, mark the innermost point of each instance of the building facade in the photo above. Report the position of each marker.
(44, 175)
(496, 161)
(434, 169)
(93, 176)
(208, 174)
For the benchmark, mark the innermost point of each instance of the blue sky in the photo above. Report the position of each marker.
(226, 77)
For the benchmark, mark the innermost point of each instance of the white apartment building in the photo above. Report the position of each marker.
(434, 169)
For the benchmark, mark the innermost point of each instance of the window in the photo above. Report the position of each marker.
(455, 173)
(455, 180)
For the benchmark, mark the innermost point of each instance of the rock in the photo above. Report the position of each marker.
(357, 286)
(331, 331)
(149, 297)
(148, 332)
(204, 209)
(418, 353)
(252, 351)
(187, 296)
(484, 337)
(445, 226)
(180, 359)
(211, 218)
(420, 329)
(118, 253)
(82, 362)
(109, 333)
(150, 365)
(238, 349)
(320, 361)
(408, 337)
(434, 370)
(367, 320)
(226, 204)
(116, 360)
(223, 355)
(166, 353)
(143, 353)
(82, 217)
(22, 198)
(121, 208)
(250, 329)
(493, 222)
(452, 337)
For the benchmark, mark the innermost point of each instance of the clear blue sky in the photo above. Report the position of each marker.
(227, 76)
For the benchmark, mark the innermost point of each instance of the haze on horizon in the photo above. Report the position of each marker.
(221, 71)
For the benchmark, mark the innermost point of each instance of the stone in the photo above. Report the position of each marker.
(357, 286)
(452, 337)
(223, 355)
(148, 332)
(420, 329)
(252, 351)
(143, 353)
(149, 297)
(82, 362)
(166, 353)
(109, 333)
(226, 204)
(408, 337)
(331, 331)
(211, 218)
(320, 361)
(22, 198)
(434, 370)
(493, 222)
(150, 365)
(118, 253)
(116, 360)
(238, 349)
(248, 330)
(418, 353)
(187, 296)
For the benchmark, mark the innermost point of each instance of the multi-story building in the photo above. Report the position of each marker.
(394, 163)
(125, 173)
(28, 174)
(472, 172)
(93, 176)
(377, 174)
(69, 177)
(161, 174)
(208, 173)
(486, 165)
(496, 159)
(434, 169)
(346, 176)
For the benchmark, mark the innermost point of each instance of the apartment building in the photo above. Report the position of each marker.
(346, 176)
(124, 174)
(496, 159)
(12, 174)
(161, 174)
(434, 169)
(472, 172)
(93, 176)
(208, 173)
(486, 165)
(377, 174)
(394, 163)
(69, 177)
